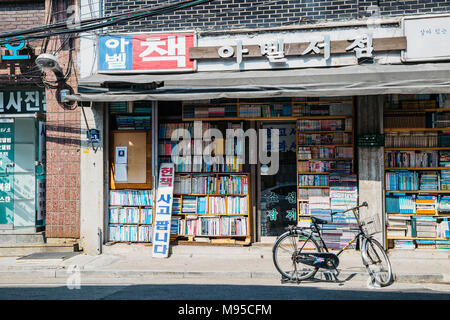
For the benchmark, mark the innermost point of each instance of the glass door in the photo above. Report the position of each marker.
(278, 195)
(6, 173)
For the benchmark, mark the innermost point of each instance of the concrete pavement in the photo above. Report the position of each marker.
(252, 262)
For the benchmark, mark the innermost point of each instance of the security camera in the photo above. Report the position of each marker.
(49, 62)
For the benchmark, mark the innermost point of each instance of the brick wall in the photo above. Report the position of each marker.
(228, 14)
(21, 14)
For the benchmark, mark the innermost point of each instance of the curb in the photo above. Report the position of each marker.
(108, 274)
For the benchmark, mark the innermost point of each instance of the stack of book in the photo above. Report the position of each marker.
(443, 244)
(304, 194)
(176, 205)
(319, 207)
(426, 244)
(399, 226)
(411, 139)
(276, 110)
(429, 181)
(445, 180)
(189, 204)
(304, 153)
(134, 122)
(321, 125)
(404, 244)
(426, 204)
(424, 227)
(405, 159)
(337, 236)
(342, 199)
(323, 152)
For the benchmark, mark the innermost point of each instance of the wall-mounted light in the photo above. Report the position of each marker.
(49, 62)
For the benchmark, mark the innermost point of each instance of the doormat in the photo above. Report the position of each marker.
(47, 257)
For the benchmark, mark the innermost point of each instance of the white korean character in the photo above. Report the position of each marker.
(32, 100)
(116, 61)
(7, 187)
(362, 46)
(176, 50)
(7, 199)
(315, 46)
(274, 51)
(228, 51)
(15, 103)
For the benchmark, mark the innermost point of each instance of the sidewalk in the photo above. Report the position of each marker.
(135, 261)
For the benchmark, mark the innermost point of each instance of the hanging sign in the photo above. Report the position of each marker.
(164, 199)
(151, 52)
(22, 101)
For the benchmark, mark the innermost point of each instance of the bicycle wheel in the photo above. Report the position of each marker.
(377, 262)
(286, 250)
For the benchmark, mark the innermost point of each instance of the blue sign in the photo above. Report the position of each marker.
(116, 53)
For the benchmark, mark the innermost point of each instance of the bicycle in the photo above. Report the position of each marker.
(299, 249)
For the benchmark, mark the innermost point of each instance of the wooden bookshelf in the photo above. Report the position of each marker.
(208, 211)
(138, 224)
(426, 113)
(346, 132)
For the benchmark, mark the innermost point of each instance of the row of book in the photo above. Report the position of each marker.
(311, 180)
(224, 226)
(412, 180)
(205, 163)
(324, 138)
(133, 122)
(323, 109)
(213, 205)
(417, 139)
(210, 184)
(324, 125)
(419, 204)
(212, 111)
(418, 226)
(130, 197)
(276, 110)
(417, 159)
(131, 233)
(325, 152)
(421, 244)
(130, 215)
(340, 166)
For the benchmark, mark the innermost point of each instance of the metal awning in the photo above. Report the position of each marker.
(370, 79)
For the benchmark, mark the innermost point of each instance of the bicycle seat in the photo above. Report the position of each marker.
(318, 220)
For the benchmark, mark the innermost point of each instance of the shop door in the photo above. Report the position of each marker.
(278, 192)
(17, 172)
(24, 172)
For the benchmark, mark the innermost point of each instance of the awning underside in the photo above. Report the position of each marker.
(338, 81)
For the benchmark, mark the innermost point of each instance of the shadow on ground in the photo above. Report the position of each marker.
(212, 292)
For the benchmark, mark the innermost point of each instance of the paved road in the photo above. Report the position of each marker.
(214, 289)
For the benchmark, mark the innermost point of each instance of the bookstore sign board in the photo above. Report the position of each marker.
(428, 38)
(163, 215)
(296, 50)
(158, 52)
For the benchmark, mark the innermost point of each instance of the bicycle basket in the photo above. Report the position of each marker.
(371, 224)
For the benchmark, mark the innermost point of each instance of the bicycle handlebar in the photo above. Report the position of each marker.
(364, 204)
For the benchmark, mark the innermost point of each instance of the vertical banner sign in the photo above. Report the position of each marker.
(164, 199)
(6, 171)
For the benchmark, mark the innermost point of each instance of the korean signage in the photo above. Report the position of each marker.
(22, 101)
(164, 199)
(284, 51)
(6, 170)
(146, 52)
(13, 50)
(428, 38)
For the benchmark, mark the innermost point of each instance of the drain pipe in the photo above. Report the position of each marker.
(100, 241)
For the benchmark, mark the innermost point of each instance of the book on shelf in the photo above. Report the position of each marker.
(404, 244)
(323, 125)
(324, 138)
(412, 159)
(233, 226)
(216, 205)
(189, 204)
(130, 197)
(182, 184)
(123, 215)
(233, 184)
(145, 233)
(146, 216)
(201, 205)
(128, 233)
(236, 205)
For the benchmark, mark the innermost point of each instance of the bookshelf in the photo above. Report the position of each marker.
(212, 206)
(276, 109)
(130, 209)
(417, 171)
(326, 179)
